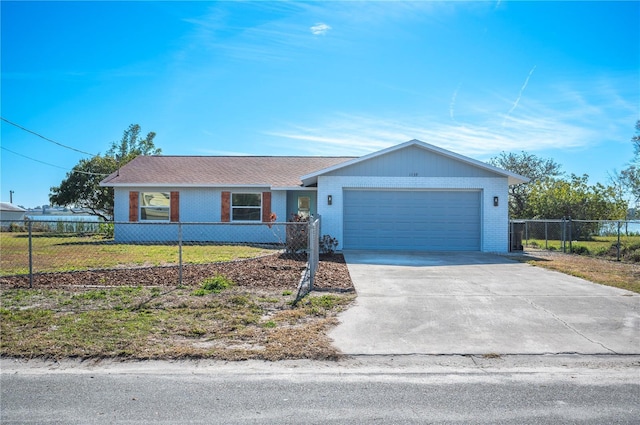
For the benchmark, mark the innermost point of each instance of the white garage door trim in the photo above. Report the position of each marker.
(434, 220)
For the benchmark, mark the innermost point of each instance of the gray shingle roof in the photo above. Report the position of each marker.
(6, 206)
(274, 171)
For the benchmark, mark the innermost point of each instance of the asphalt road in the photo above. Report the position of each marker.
(378, 389)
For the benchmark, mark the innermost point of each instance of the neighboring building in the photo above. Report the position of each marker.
(9, 214)
(413, 196)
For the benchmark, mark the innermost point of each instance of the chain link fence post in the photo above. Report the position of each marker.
(179, 254)
(30, 226)
(618, 253)
(314, 247)
(546, 235)
(570, 235)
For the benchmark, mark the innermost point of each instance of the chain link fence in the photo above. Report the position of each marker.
(35, 248)
(616, 239)
(313, 242)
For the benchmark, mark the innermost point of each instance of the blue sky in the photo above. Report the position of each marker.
(557, 79)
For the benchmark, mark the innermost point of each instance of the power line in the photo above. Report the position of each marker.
(45, 138)
(52, 165)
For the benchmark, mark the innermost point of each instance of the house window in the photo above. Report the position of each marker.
(246, 207)
(155, 205)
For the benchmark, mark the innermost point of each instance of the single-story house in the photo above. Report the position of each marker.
(412, 196)
(11, 214)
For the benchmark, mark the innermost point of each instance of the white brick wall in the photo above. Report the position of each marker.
(494, 237)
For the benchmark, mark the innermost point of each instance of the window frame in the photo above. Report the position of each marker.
(141, 206)
(232, 207)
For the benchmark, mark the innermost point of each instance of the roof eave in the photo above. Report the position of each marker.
(185, 185)
(513, 178)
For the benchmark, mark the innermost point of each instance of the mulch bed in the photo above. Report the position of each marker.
(276, 271)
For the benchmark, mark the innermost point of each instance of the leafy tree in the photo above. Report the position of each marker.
(528, 165)
(132, 145)
(81, 186)
(555, 198)
(629, 178)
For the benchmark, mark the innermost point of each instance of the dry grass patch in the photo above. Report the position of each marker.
(245, 314)
(610, 273)
(231, 325)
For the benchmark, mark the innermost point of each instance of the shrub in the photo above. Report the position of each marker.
(603, 251)
(106, 230)
(270, 324)
(328, 244)
(15, 227)
(214, 285)
(634, 257)
(296, 237)
(580, 250)
(217, 283)
(632, 253)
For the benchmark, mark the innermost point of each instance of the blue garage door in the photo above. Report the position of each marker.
(412, 220)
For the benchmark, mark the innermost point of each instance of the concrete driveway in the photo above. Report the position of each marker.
(477, 303)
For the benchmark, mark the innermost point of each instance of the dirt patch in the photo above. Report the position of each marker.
(277, 271)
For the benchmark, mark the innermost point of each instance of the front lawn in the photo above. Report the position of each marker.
(55, 253)
(144, 323)
(250, 316)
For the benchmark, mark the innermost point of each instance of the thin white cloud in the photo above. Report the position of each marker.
(571, 119)
(515, 104)
(320, 29)
(358, 135)
(452, 104)
(280, 37)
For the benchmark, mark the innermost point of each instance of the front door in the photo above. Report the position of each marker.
(300, 204)
(304, 206)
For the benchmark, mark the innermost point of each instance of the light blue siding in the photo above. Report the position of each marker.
(412, 162)
(200, 215)
(200, 232)
(412, 220)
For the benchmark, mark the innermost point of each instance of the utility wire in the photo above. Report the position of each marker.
(45, 138)
(52, 165)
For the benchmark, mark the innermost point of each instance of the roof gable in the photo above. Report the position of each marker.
(415, 159)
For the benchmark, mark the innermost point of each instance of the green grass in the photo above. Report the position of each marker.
(164, 323)
(53, 253)
(600, 246)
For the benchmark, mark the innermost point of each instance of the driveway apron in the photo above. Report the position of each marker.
(478, 303)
